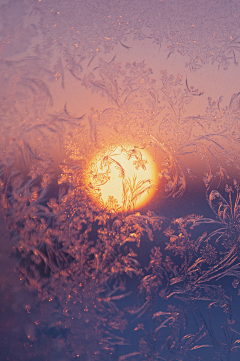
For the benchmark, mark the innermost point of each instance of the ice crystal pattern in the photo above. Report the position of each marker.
(108, 273)
(151, 116)
(126, 286)
(83, 29)
(112, 274)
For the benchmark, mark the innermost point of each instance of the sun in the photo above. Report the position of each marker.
(122, 178)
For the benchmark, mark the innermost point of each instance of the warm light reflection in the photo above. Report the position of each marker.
(122, 177)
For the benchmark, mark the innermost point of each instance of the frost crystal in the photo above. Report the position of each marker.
(107, 282)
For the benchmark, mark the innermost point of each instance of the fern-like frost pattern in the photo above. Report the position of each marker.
(108, 283)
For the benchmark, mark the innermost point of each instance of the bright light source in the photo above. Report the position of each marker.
(122, 178)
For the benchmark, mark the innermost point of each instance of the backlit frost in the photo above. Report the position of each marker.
(80, 260)
(111, 285)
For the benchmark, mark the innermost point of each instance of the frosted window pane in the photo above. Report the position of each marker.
(119, 180)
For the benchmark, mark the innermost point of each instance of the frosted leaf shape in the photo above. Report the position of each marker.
(220, 206)
(228, 212)
(234, 104)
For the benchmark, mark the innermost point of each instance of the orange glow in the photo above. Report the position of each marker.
(122, 178)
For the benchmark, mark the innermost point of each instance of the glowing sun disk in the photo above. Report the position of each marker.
(122, 178)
